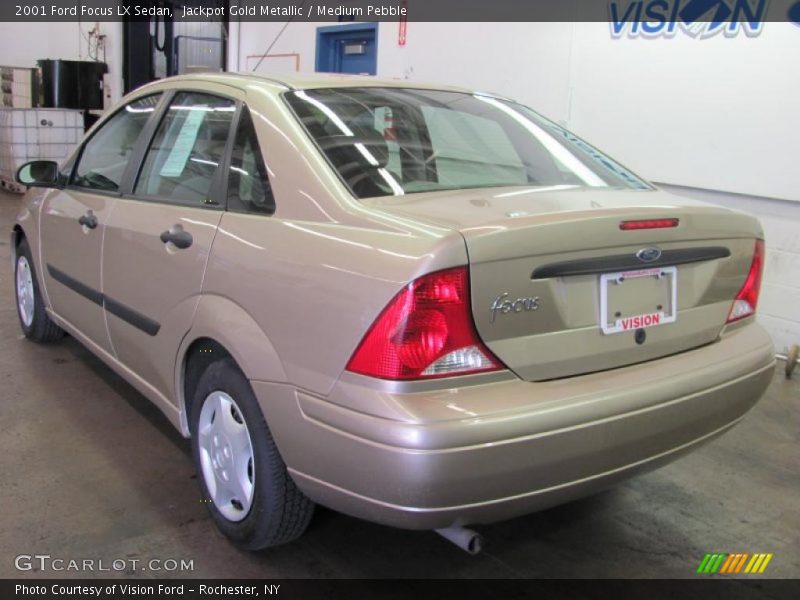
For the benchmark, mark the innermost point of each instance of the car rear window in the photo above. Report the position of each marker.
(396, 141)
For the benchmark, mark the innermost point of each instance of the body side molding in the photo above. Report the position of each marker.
(127, 314)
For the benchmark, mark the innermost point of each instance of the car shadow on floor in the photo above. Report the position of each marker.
(135, 400)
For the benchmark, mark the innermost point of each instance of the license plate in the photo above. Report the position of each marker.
(633, 300)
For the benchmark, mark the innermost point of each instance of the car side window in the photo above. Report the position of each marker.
(105, 156)
(249, 189)
(184, 155)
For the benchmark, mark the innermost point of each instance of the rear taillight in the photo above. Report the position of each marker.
(746, 300)
(425, 332)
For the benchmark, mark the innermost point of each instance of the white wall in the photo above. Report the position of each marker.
(716, 114)
(246, 39)
(22, 44)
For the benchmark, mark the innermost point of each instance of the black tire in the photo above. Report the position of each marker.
(280, 512)
(41, 328)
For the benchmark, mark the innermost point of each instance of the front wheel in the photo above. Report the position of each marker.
(36, 324)
(243, 478)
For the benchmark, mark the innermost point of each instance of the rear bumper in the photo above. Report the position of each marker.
(564, 439)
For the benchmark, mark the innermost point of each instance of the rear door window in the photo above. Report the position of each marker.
(185, 153)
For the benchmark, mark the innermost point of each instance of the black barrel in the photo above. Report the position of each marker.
(72, 83)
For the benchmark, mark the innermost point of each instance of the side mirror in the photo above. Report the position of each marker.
(38, 173)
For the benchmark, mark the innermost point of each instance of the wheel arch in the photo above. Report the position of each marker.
(222, 329)
(17, 235)
(198, 356)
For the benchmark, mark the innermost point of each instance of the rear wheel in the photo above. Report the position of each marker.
(36, 324)
(243, 478)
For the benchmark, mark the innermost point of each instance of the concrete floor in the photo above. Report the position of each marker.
(91, 470)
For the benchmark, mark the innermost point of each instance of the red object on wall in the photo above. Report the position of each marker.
(402, 25)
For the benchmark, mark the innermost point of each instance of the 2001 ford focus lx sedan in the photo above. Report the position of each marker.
(421, 306)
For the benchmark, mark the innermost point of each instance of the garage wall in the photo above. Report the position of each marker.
(26, 42)
(707, 116)
(655, 102)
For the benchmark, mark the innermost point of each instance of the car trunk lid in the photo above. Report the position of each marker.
(559, 288)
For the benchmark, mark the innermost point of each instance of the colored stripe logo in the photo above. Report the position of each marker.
(737, 562)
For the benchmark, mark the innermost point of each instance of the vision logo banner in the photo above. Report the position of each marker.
(739, 562)
(794, 13)
(699, 19)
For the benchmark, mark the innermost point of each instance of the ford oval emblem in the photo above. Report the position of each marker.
(648, 255)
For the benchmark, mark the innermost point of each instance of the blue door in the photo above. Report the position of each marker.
(348, 49)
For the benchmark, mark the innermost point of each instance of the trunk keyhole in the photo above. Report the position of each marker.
(640, 336)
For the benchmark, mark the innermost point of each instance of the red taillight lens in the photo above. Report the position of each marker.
(746, 300)
(648, 224)
(425, 332)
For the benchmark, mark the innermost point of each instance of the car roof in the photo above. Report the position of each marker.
(306, 81)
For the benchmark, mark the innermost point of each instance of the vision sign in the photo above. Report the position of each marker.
(699, 19)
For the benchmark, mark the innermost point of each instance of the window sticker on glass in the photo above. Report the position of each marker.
(179, 155)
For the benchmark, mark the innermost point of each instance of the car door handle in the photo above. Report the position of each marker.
(88, 220)
(178, 237)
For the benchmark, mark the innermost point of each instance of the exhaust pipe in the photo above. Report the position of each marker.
(468, 540)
